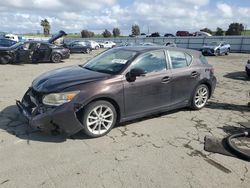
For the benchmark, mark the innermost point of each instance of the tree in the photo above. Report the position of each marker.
(207, 30)
(135, 30)
(235, 29)
(219, 32)
(46, 26)
(116, 32)
(106, 33)
(87, 34)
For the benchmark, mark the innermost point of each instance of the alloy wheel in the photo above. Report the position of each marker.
(100, 119)
(201, 97)
(56, 58)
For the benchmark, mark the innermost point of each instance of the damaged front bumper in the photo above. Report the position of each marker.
(62, 119)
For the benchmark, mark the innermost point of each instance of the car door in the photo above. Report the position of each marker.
(107, 44)
(152, 91)
(44, 50)
(23, 53)
(184, 76)
(223, 48)
(75, 47)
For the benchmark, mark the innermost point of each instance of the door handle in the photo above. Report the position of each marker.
(194, 74)
(165, 79)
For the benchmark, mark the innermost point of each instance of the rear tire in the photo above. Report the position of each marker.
(97, 47)
(200, 97)
(56, 58)
(227, 52)
(99, 118)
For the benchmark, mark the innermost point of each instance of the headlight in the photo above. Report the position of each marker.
(56, 99)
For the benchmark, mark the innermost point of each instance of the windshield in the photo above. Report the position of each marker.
(111, 61)
(17, 45)
(213, 43)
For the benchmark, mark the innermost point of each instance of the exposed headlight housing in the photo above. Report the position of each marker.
(57, 99)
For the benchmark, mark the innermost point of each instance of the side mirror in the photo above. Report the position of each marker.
(137, 72)
(133, 73)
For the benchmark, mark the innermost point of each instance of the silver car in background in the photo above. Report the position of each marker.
(216, 48)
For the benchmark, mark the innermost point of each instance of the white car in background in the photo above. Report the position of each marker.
(202, 34)
(12, 37)
(93, 44)
(107, 44)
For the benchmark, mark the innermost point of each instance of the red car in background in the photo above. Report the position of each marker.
(183, 33)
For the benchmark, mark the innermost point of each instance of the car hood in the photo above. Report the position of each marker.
(57, 36)
(59, 79)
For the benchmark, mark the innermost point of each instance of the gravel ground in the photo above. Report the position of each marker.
(159, 151)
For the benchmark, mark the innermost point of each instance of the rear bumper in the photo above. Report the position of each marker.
(213, 85)
(60, 119)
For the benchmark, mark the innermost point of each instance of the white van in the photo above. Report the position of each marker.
(12, 37)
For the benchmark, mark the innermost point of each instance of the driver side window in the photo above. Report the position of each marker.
(151, 62)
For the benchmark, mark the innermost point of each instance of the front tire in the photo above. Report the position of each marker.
(99, 118)
(5, 59)
(87, 50)
(56, 58)
(200, 97)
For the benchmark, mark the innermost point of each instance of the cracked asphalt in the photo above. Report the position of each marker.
(164, 150)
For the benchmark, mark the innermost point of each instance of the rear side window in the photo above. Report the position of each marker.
(179, 59)
(152, 62)
(203, 60)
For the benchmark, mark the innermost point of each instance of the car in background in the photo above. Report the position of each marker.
(21, 39)
(6, 42)
(216, 48)
(107, 44)
(34, 51)
(171, 44)
(148, 44)
(155, 34)
(118, 85)
(248, 68)
(11, 37)
(126, 44)
(142, 35)
(93, 44)
(78, 47)
(183, 33)
(169, 35)
(202, 33)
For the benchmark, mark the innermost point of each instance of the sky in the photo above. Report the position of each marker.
(163, 16)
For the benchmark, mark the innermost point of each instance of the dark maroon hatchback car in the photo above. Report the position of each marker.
(118, 85)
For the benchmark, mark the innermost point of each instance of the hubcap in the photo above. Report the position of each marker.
(56, 58)
(100, 119)
(201, 97)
